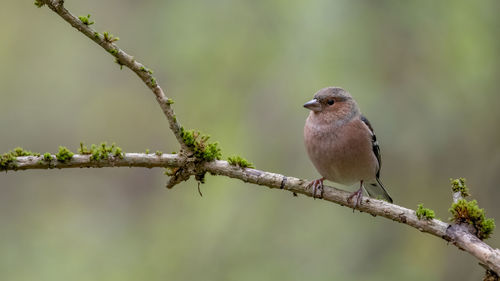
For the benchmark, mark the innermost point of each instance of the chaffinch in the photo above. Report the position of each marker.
(342, 145)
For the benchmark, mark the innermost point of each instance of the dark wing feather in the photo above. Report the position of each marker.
(373, 189)
(375, 147)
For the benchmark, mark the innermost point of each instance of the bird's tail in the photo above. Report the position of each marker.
(377, 191)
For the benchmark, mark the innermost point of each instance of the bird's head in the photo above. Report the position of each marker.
(332, 103)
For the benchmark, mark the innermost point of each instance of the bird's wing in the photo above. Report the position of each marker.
(375, 147)
(376, 190)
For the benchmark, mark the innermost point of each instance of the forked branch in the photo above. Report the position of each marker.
(457, 234)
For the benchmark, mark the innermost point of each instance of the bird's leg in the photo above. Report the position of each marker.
(359, 196)
(317, 185)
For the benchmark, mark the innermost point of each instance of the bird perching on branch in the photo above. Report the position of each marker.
(342, 145)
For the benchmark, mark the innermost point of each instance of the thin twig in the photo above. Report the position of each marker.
(124, 59)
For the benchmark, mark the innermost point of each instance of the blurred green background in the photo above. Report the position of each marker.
(424, 72)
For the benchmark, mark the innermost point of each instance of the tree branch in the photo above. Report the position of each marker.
(123, 59)
(458, 235)
(455, 234)
(84, 161)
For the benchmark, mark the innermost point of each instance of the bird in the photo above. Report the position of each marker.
(342, 145)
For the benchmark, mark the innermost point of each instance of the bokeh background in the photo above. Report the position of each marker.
(424, 72)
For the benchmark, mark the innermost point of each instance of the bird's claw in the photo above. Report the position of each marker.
(359, 196)
(317, 185)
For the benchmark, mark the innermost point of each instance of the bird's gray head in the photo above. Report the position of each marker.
(331, 99)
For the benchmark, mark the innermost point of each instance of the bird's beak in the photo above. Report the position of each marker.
(313, 105)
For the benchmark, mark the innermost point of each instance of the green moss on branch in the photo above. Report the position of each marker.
(464, 211)
(458, 185)
(239, 161)
(86, 20)
(64, 155)
(201, 147)
(47, 157)
(39, 3)
(424, 213)
(101, 152)
(110, 38)
(9, 160)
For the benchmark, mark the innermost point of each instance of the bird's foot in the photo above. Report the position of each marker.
(317, 185)
(359, 196)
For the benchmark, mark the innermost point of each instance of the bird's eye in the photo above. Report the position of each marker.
(330, 102)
